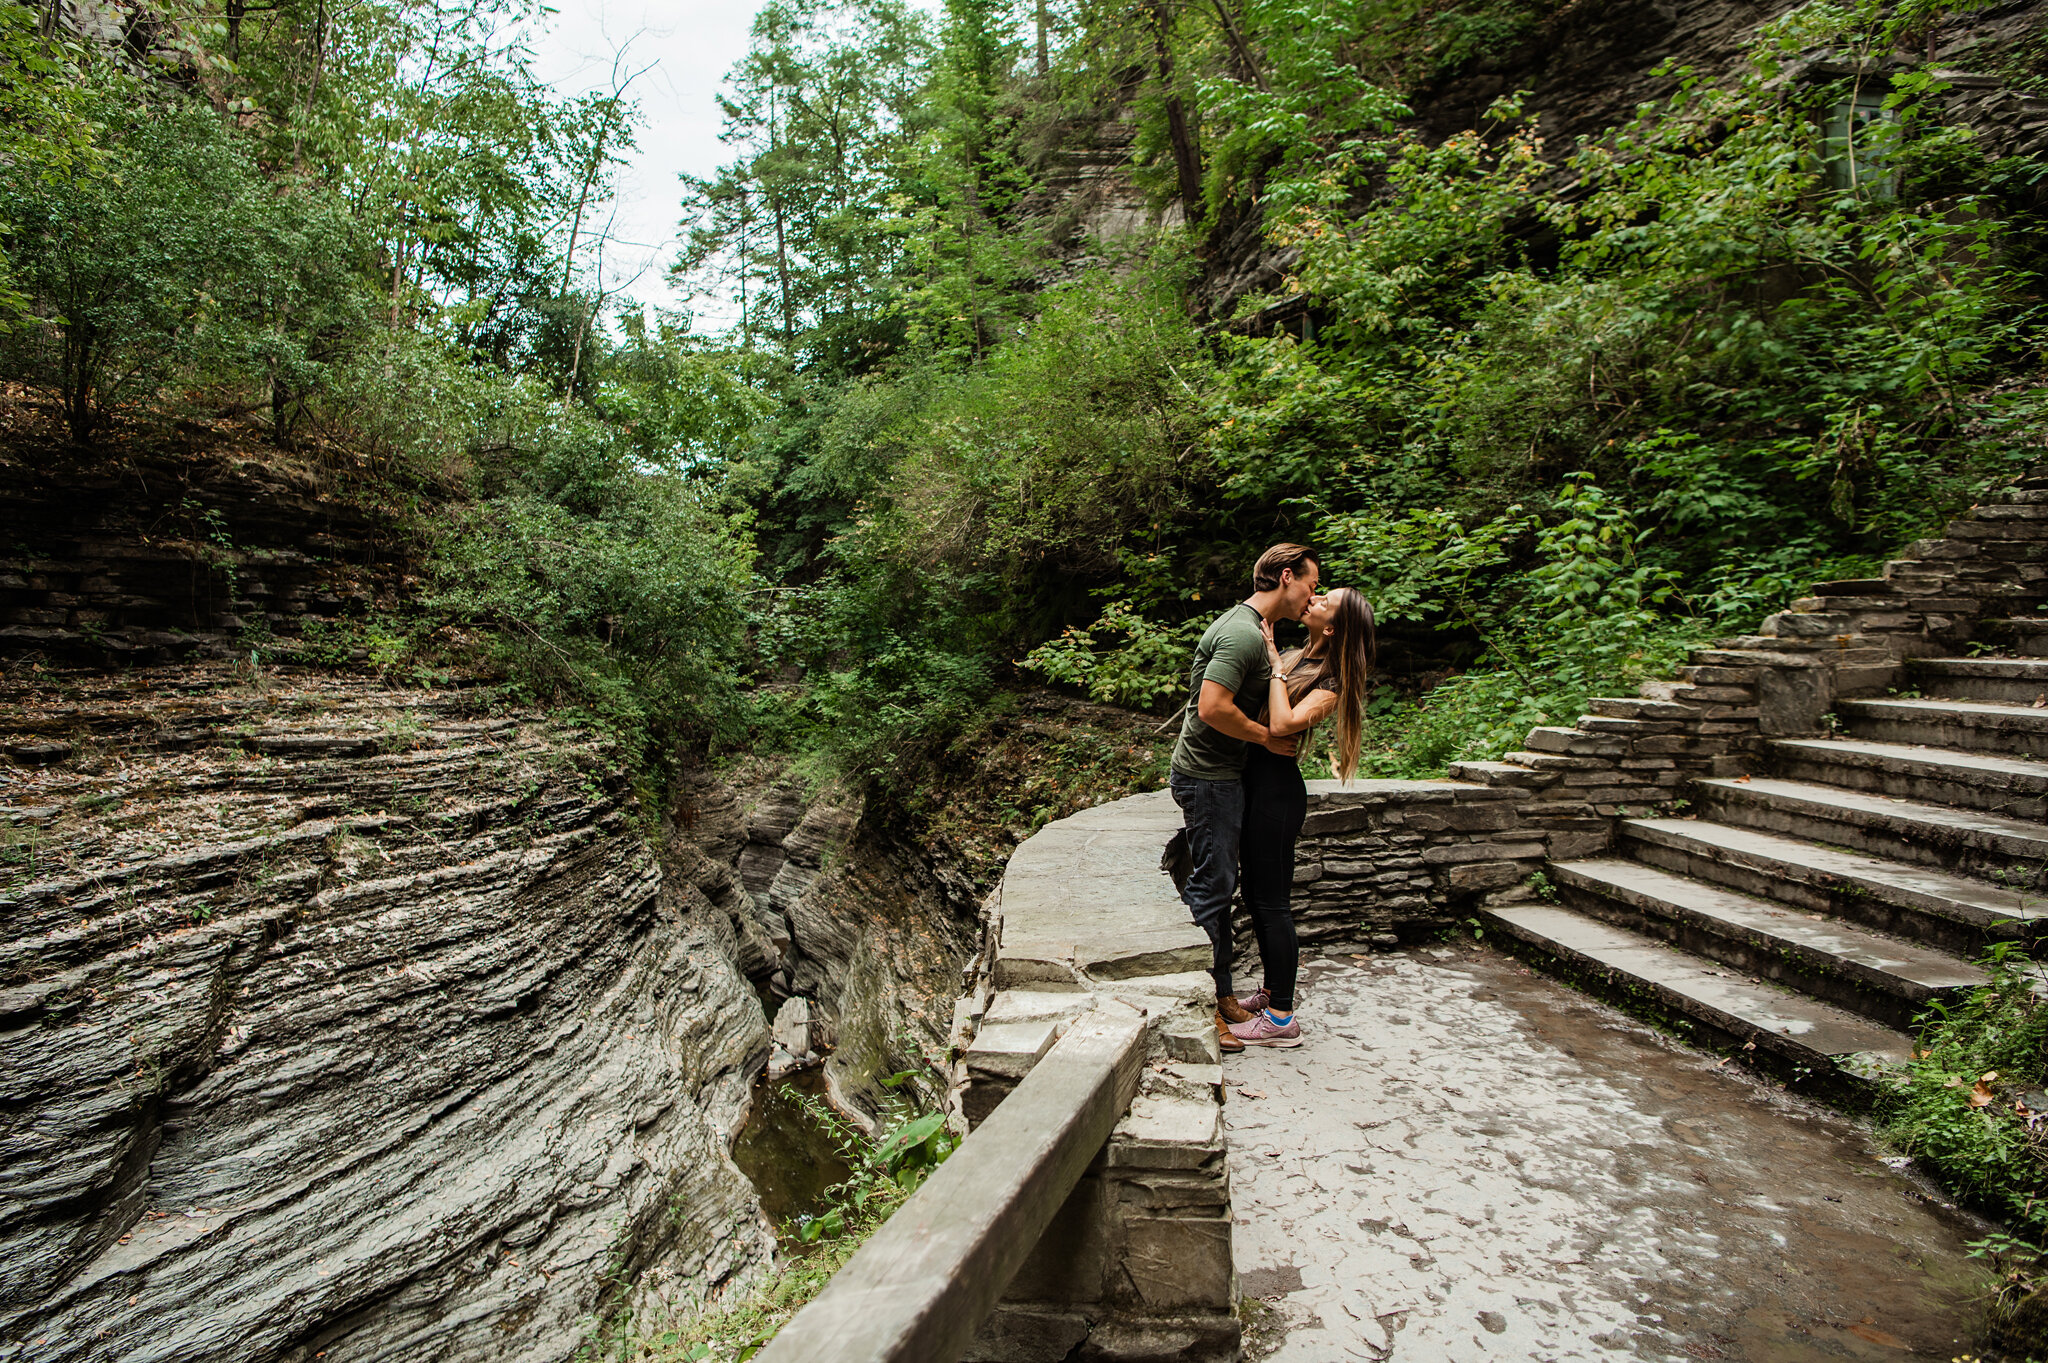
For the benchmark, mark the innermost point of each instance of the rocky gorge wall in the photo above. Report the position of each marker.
(343, 1020)
(819, 899)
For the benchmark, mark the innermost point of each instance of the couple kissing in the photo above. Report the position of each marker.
(1237, 775)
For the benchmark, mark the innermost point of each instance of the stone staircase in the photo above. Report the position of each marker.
(1814, 833)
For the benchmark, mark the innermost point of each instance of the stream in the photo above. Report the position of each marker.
(789, 1157)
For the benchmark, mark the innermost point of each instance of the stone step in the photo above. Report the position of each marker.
(1883, 978)
(1955, 913)
(1977, 726)
(1639, 707)
(1700, 998)
(2011, 786)
(2010, 681)
(2025, 634)
(1969, 841)
(1509, 774)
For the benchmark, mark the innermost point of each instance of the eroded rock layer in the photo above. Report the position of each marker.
(340, 1020)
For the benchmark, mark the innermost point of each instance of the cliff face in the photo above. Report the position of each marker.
(342, 1020)
(822, 902)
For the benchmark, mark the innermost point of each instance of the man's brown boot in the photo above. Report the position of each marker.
(1232, 1010)
(1224, 1037)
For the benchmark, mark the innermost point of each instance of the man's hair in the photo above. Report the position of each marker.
(1279, 559)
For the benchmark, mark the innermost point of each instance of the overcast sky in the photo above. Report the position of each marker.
(687, 47)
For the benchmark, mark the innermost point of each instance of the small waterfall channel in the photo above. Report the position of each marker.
(788, 1155)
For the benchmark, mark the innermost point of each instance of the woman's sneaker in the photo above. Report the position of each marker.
(1263, 1031)
(1252, 1003)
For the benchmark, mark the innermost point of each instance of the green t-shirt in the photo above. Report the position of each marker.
(1233, 653)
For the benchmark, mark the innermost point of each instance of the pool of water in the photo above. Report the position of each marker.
(790, 1158)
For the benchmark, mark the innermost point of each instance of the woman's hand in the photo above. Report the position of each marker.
(1272, 649)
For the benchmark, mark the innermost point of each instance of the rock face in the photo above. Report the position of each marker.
(172, 553)
(824, 903)
(339, 1020)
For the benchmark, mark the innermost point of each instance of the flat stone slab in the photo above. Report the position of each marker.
(1468, 1161)
(1912, 821)
(1084, 899)
(1008, 1050)
(1908, 759)
(1162, 1131)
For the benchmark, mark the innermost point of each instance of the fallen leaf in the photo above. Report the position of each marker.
(1988, 1077)
(1742, 780)
(1877, 1336)
(1980, 1095)
(1250, 1093)
(1749, 1045)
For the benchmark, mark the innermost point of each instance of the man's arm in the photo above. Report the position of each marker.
(1217, 708)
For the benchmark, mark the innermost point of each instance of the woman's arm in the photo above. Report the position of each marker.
(1282, 717)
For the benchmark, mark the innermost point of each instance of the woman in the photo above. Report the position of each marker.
(1326, 676)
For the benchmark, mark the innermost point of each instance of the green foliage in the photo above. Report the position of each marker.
(1587, 617)
(1150, 665)
(174, 255)
(47, 133)
(613, 590)
(885, 1173)
(1059, 449)
(1962, 1109)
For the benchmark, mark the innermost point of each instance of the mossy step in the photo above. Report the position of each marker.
(2011, 730)
(1930, 905)
(2015, 681)
(1805, 1034)
(2013, 786)
(1972, 841)
(1883, 978)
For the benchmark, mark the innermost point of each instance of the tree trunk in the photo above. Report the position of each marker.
(1187, 159)
(782, 272)
(1241, 56)
(1044, 61)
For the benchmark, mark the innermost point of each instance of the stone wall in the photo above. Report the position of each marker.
(1136, 1264)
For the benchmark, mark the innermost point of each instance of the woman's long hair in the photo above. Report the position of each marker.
(1348, 656)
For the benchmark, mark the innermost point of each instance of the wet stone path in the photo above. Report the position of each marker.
(1466, 1160)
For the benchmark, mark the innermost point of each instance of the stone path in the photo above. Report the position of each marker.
(1469, 1161)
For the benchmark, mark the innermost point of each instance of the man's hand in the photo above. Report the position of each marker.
(1282, 746)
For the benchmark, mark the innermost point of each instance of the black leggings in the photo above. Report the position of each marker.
(1276, 801)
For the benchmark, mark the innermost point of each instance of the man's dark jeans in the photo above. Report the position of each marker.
(1214, 814)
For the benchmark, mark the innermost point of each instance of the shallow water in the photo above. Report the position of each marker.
(1466, 1160)
(788, 1156)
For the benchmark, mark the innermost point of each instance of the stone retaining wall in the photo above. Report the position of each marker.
(1379, 859)
(1136, 1263)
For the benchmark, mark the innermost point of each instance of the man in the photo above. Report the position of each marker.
(1226, 685)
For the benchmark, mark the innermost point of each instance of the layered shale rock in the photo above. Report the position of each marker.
(825, 902)
(340, 1020)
